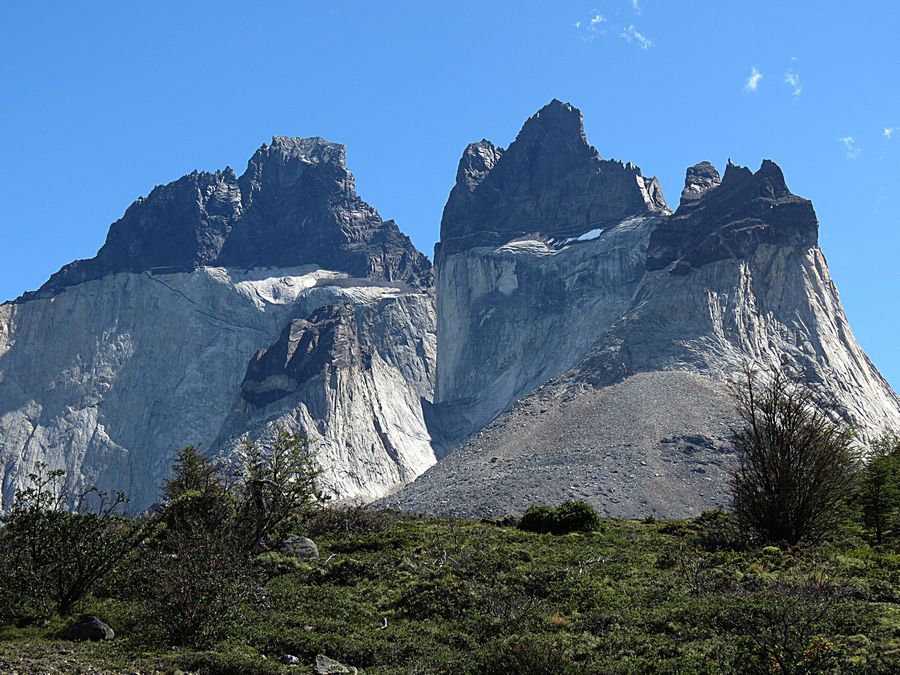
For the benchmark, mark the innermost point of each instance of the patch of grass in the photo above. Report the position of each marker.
(400, 594)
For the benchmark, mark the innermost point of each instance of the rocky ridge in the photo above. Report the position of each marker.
(578, 340)
(118, 361)
(296, 204)
(591, 373)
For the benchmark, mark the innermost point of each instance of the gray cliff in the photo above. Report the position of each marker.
(118, 361)
(586, 351)
(577, 342)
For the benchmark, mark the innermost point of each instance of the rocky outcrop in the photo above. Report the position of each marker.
(550, 181)
(542, 247)
(296, 204)
(118, 361)
(357, 380)
(606, 378)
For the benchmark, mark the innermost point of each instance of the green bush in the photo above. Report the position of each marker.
(56, 545)
(570, 516)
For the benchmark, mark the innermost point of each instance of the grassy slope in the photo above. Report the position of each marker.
(461, 596)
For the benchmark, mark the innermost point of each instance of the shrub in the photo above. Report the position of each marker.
(795, 463)
(718, 531)
(204, 565)
(357, 519)
(570, 516)
(278, 486)
(879, 491)
(56, 544)
(538, 518)
(576, 516)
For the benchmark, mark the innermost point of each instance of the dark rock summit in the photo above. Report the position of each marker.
(730, 219)
(324, 341)
(549, 181)
(296, 204)
(699, 180)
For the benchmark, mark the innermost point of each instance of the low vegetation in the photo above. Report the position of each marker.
(209, 582)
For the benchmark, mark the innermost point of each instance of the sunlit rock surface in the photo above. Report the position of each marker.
(118, 361)
(594, 331)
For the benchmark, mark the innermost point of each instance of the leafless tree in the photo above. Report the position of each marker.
(796, 463)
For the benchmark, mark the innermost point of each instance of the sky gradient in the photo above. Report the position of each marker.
(102, 101)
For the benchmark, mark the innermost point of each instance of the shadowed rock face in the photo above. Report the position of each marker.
(549, 181)
(730, 220)
(296, 204)
(306, 347)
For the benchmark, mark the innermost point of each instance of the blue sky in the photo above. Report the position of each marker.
(101, 101)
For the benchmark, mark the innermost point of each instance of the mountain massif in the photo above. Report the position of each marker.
(575, 337)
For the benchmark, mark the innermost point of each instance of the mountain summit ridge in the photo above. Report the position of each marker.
(549, 180)
(220, 219)
(574, 339)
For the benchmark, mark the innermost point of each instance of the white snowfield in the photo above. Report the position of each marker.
(81, 385)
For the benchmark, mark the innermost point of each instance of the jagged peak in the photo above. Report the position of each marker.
(772, 174)
(477, 161)
(698, 180)
(735, 172)
(289, 150)
(558, 123)
(769, 177)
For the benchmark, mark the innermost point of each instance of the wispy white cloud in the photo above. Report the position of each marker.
(636, 5)
(792, 79)
(752, 83)
(631, 34)
(591, 27)
(851, 149)
(889, 131)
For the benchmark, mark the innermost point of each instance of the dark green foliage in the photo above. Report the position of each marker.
(395, 592)
(879, 490)
(205, 564)
(796, 464)
(450, 596)
(570, 516)
(56, 545)
(358, 519)
(278, 486)
(527, 656)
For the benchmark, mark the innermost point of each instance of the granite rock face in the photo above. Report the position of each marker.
(118, 361)
(586, 334)
(542, 247)
(357, 379)
(577, 343)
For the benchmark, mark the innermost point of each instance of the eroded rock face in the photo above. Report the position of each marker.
(357, 379)
(607, 347)
(542, 246)
(120, 360)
